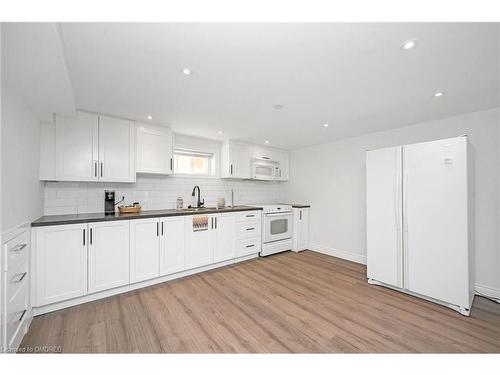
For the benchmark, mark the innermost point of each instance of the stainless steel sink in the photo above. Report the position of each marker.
(196, 209)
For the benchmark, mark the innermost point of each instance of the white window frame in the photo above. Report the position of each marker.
(188, 151)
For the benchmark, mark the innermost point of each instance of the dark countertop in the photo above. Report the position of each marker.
(100, 216)
(298, 205)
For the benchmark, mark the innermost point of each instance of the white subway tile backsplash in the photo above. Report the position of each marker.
(155, 193)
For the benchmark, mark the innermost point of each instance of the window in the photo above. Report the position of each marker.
(194, 162)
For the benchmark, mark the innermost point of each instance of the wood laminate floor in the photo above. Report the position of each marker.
(300, 303)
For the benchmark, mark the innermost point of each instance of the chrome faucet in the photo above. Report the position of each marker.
(199, 203)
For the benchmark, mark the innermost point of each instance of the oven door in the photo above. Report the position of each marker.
(263, 171)
(277, 226)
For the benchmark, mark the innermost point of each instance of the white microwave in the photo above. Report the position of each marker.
(264, 169)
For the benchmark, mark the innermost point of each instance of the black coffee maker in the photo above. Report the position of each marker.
(109, 202)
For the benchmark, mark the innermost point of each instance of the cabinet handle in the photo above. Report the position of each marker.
(250, 245)
(162, 228)
(265, 157)
(22, 315)
(91, 236)
(101, 168)
(95, 169)
(171, 165)
(18, 248)
(20, 276)
(231, 169)
(250, 215)
(300, 214)
(84, 237)
(215, 223)
(212, 221)
(250, 228)
(157, 230)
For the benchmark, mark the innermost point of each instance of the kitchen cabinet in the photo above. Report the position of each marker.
(283, 157)
(61, 263)
(144, 249)
(154, 149)
(224, 236)
(300, 229)
(236, 160)
(77, 147)
(116, 150)
(47, 151)
(108, 251)
(172, 245)
(90, 147)
(199, 241)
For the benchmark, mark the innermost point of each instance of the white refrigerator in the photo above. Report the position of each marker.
(419, 220)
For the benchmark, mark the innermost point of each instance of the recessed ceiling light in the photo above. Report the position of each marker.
(278, 106)
(325, 125)
(150, 117)
(409, 44)
(186, 71)
(266, 142)
(438, 94)
(220, 132)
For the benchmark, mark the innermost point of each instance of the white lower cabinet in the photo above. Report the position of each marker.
(172, 245)
(61, 263)
(108, 255)
(300, 229)
(144, 249)
(199, 241)
(224, 235)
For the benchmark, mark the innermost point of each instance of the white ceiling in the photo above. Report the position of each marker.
(34, 67)
(355, 77)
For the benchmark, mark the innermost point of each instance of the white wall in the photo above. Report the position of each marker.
(156, 192)
(21, 190)
(331, 177)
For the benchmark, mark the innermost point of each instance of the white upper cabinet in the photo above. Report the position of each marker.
(236, 160)
(90, 147)
(283, 158)
(116, 150)
(154, 149)
(77, 147)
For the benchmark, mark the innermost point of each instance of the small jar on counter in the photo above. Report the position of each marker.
(180, 203)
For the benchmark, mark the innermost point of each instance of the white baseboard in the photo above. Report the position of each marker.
(347, 255)
(488, 291)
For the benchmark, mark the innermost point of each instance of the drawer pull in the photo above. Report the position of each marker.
(250, 215)
(250, 228)
(18, 248)
(250, 245)
(20, 277)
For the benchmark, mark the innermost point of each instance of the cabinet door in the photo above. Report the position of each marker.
(61, 263)
(144, 249)
(240, 156)
(116, 150)
(284, 160)
(108, 255)
(225, 229)
(303, 228)
(172, 245)
(199, 243)
(154, 150)
(76, 147)
(384, 216)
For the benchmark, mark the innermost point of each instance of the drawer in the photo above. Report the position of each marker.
(17, 276)
(16, 311)
(248, 246)
(17, 250)
(248, 216)
(248, 229)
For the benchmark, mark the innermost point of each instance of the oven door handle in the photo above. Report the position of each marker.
(279, 213)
